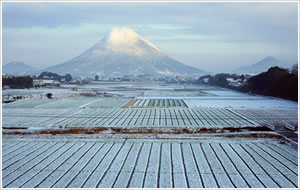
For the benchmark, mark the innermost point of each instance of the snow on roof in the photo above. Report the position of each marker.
(48, 81)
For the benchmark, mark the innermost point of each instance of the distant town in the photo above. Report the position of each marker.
(238, 82)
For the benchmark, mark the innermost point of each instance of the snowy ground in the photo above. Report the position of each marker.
(228, 98)
(241, 103)
(34, 91)
(272, 116)
(193, 95)
(124, 118)
(110, 112)
(222, 98)
(90, 163)
(145, 143)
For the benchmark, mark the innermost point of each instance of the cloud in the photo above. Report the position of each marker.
(206, 35)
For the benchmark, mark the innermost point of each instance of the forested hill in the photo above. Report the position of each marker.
(276, 82)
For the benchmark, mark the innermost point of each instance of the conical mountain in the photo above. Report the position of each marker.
(263, 66)
(17, 68)
(124, 52)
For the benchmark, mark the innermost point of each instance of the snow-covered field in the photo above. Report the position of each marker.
(182, 143)
(123, 118)
(106, 163)
(35, 91)
(147, 117)
(226, 93)
(210, 111)
(273, 116)
(194, 95)
(239, 102)
(159, 103)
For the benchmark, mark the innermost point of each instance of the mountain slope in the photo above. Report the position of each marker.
(263, 66)
(17, 68)
(124, 52)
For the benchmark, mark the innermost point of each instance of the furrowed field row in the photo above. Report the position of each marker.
(150, 163)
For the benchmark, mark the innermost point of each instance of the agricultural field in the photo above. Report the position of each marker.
(150, 135)
(137, 163)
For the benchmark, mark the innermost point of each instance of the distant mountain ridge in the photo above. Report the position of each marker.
(124, 52)
(17, 68)
(263, 66)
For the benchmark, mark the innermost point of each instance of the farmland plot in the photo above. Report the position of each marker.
(142, 140)
(275, 116)
(28, 103)
(124, 118)
(90, 112)
(138, 163)
(249, 102)
(107, 103)
(49, 103)
(158, 103)
(68, 103)
(34, 118)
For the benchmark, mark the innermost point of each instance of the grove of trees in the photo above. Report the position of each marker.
(276, 82)
(55, 76)
(17, 81)
(219, 79)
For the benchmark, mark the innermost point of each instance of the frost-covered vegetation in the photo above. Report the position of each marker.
(106, 163)
(205, 111)
(190, 136)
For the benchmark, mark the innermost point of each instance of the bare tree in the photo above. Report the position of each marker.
(295, 69)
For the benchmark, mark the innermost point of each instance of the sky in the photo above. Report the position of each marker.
(212, 36)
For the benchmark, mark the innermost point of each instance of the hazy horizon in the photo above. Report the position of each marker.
(215, 37)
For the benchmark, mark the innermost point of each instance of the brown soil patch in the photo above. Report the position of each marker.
(142, 130)
(87, 94)
(159, 107)
(131, 102)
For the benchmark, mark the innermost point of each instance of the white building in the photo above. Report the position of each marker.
(234, 82)
(45, 82)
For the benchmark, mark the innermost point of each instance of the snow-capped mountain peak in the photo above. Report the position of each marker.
(127, 41)
(125, 52)
(123, 37)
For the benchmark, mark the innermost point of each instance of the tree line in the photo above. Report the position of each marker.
(277, 82)
(54, 76)
(220, 79)
(17, 81)
(27, 81)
